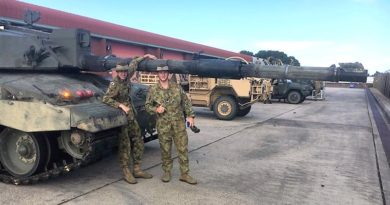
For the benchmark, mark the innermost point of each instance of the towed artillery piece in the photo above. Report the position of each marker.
(230, 88)
(52, 119)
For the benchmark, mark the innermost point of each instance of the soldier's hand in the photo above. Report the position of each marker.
(191, 121)
(160, 109)
(150, 56)
(124, 108)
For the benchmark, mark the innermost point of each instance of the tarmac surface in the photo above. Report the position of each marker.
(317, 152)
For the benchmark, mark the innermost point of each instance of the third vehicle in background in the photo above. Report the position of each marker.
(294, 91)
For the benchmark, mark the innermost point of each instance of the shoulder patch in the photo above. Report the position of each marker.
(111, 87)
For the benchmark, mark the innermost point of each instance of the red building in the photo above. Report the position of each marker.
(123, 41)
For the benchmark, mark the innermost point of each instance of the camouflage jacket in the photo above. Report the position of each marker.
(119, 90)
(174, 100)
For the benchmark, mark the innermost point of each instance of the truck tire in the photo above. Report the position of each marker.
(294, 97)
(225, 108)
(242, 113)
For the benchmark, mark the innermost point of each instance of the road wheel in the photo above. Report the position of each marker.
(22, 154)
(244, 112)
(294, 97)
(225, 108)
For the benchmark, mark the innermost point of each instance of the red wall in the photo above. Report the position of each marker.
(173, 55)
(15, 9)
(126, 50)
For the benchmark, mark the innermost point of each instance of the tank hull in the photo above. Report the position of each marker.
(32, 103)
(59, 134)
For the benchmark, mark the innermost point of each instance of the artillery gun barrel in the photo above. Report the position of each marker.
(205, 67)
(303, 72)
(217, 68)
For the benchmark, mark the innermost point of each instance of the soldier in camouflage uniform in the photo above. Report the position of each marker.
(317, 88)
(267, 91)
(131, 144)
(169, 102)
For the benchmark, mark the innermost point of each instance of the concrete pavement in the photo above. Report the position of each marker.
(318, 152)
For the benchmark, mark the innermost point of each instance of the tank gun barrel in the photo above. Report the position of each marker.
(218, 68)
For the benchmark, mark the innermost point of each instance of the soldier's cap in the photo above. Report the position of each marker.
(162, 68)
(121, 68)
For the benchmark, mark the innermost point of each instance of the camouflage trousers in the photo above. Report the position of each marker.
(175, 131)
(266, 97)
(131, 144)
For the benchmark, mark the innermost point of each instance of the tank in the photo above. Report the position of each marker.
(52, 118)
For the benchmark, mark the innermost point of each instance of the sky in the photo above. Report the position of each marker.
(315, 32)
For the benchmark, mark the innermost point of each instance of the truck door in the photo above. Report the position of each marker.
(280, 88)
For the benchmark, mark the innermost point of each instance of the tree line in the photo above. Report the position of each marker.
(269, 55)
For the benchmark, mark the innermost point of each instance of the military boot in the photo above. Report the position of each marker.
(188, 179)
(138, 173)
(166, 177)
(129, 178)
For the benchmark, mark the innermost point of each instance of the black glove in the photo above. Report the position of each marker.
(195, 129)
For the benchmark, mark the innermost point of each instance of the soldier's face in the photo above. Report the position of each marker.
(163, 76)
(122, 74)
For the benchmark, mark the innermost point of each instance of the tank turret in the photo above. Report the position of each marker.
(61, 50)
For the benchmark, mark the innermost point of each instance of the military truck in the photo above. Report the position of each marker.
(227, 98)
(294, 91)
(52, 118)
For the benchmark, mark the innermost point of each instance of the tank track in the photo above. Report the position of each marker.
(99, 145)
(47, 174)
